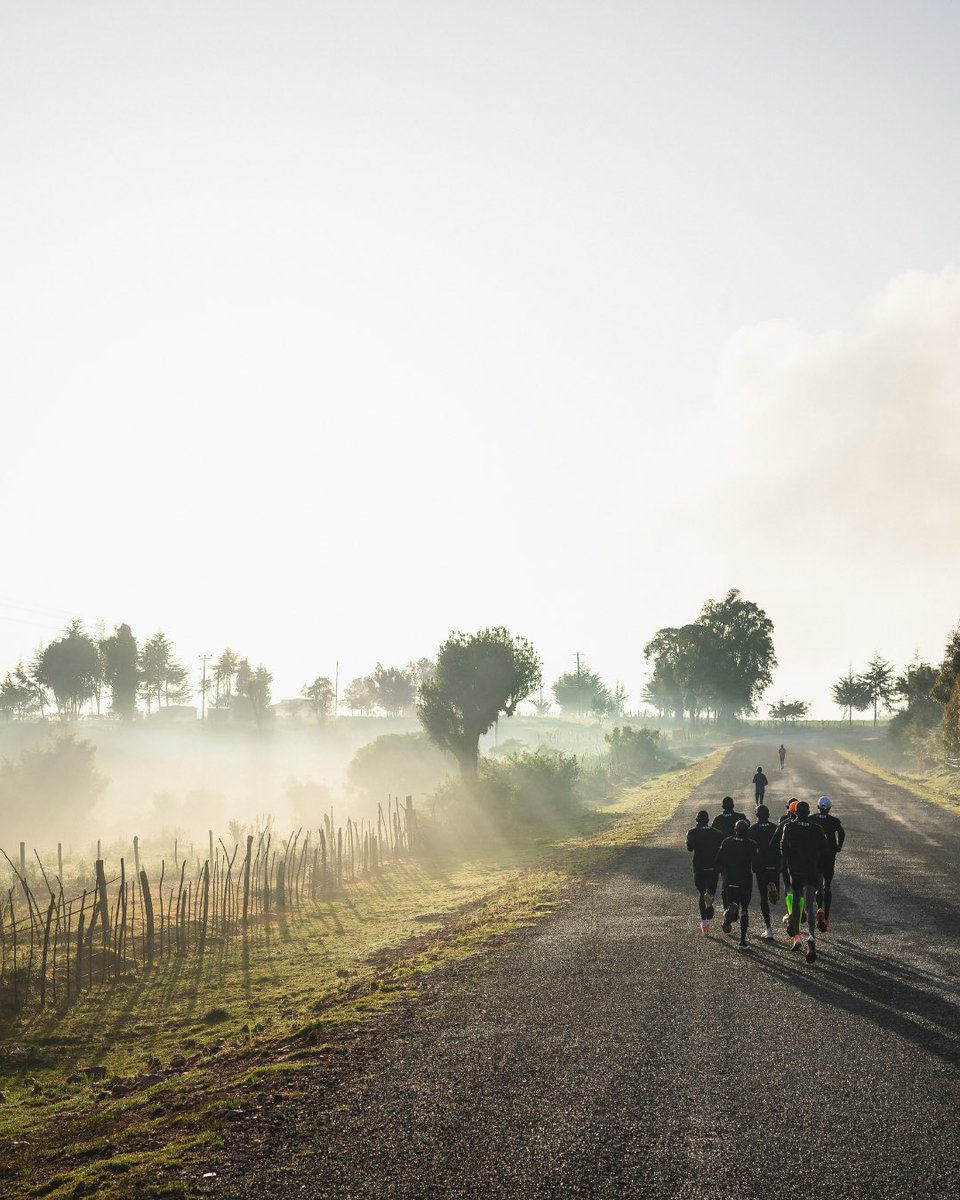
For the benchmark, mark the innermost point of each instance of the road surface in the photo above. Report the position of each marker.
(613, 1052)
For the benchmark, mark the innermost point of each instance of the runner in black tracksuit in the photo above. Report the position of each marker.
(767, 864)
(835, 834)
(804, 847)
(789, 815)
(726, 821)
(704, 841)
(735, 860)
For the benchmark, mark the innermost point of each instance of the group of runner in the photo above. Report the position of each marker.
(801, 849)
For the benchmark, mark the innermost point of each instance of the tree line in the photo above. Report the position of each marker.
(927, 697)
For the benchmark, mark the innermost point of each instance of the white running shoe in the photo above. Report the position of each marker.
(767, 934)
(704, 926)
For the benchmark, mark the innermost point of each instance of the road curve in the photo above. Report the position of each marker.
(614, 1052)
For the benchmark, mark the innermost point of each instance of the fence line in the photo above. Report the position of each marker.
(118, 926)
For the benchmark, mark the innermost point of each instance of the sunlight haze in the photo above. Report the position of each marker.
(326, 329)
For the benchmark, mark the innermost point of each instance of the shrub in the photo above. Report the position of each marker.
(634, 753)
(398, 763)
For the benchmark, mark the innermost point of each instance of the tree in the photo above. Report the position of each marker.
(224, 674)
(254, 687)
(617, 703)
(850, 693)
(70, 667)
(738, 648)
(394, 688)
(58, 783)
(878, 683)
(120, 671)
(789, 710)
(948, 670)
(360, 694)
(912, 728)
(679, 682)
(478, 677)
(320, 696)
(580, 692)
(162, 678)
(540, 706)
(951, 720)
(421, 671)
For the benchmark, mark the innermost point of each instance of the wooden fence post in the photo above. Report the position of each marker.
(246, 879)
(147, 912)
(104, 905)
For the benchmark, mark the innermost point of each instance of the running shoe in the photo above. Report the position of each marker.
(811, 950)
(773, 895)
(767, 934)
(726, 925)
(708, 909)
(826, 926)
(785, 919)
(821, 921)
(704, 926)
(797, 942)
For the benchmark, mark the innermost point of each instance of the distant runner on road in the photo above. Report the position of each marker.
(835, 834)
(760, 782)
(704, 841)
(766, 865)
(735, 860)
(804, 847)
(783, 754)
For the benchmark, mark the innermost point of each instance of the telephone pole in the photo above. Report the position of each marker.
(203, 688)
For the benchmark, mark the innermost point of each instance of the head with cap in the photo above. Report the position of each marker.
(742, 828)
(803, 809)
(824, 804)
(762, 812)
(792, 806)
(727, 804)
(703, 817)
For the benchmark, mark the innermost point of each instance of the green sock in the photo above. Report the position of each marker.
(789, 902)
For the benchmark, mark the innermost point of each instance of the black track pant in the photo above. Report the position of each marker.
(765, 877)
(825, 890)
(706, 884)
(808, 890)
(740, 894)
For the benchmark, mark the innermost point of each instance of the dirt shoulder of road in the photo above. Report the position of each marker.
(941, 789)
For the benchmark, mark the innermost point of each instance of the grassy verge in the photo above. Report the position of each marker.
(111, 1096)
(937, 787)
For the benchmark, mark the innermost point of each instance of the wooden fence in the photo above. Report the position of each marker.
(54, 948)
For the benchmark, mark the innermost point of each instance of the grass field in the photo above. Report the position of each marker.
(110, 1095)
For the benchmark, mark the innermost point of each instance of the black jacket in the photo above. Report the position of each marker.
(726, 821)
(804, 846)
(736, 859)
(704, 841)
(767, 837)
(833, 830)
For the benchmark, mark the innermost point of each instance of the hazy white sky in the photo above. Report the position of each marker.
(327, 328)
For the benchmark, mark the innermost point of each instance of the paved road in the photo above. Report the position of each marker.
(613, 1052)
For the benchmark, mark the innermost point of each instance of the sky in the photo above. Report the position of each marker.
(329, 328)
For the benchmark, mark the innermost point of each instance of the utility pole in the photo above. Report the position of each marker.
(336, 687)
(203, 688)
